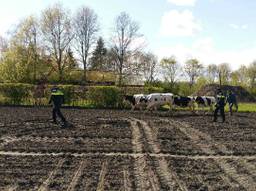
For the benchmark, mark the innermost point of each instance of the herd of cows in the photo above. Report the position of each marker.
(155, 100)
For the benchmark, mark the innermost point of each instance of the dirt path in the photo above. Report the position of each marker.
(210, 146)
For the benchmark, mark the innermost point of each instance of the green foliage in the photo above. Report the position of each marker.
(104, 96)
(165, 87)
(98, 60)
(185, 89)
(151, 89)
(15, 93)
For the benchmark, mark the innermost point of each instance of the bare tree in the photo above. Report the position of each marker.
(149, 62)
(56, 28)
(193, 69)
(170, 69)
(125, 35)
(212, 73)
(224, 73)
(86, 28)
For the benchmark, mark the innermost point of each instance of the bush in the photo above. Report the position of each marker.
(16, 93)
(151, 89)
(69, 93)
(105, 96)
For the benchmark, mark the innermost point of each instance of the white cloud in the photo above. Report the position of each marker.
(204, 50)
(235, 26)
(183, 2)
(175, 23)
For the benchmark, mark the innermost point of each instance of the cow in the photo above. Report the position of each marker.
(156, 100)
(184, 101)
(136, 101)
(205, 101)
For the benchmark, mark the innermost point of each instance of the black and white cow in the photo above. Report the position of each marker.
(155, 100)
(184, 101)
(205, 101)
(136, 101)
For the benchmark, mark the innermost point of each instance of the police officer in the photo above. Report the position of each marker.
(57, 98)
(220, 105)
(232, 101)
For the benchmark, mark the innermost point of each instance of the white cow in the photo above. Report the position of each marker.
(137, 101)
(206, 101)
(156, 100)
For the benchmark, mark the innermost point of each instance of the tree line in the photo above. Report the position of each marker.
(56, 44)
(60, 45)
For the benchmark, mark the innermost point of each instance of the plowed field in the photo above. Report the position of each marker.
(123, 150)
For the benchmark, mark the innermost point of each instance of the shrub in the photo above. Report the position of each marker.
(104, 96)
(15, 93)
(151, 89)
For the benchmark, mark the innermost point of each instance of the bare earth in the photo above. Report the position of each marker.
(123, 150)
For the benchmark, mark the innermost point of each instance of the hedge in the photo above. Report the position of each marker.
(104, 96)
(15, 93)
(96, 96)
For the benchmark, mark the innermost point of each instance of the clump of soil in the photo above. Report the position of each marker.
(242, 94)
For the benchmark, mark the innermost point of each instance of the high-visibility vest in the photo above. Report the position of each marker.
(58, 92)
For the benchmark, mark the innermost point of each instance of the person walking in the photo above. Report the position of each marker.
(232, 101)
(57, 99)
(220, 106)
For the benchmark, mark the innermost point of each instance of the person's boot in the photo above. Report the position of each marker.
(64, 124)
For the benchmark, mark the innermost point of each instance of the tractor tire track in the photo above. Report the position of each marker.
(145, 177)
(103, 172)
(44, 186)
(167, 176)
(197, 136)
(76, 176)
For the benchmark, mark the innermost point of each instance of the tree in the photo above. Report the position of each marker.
(223, 73)
(86, 28)
(243, 77)
(252, 74)
(125, 35)
(27, 37)
(56, 28)
(170, 68)
(3, 45)
(193, 69)
(23, 52)
(98, 60)
(150, 63)
(212, 73)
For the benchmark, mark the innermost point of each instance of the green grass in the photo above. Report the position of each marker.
(247, 107)
(242, 107)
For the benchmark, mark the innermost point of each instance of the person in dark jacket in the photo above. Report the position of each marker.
(57, 98)
(220, 106)
(232, 101)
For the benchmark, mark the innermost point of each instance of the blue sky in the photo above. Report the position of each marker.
(214, 31)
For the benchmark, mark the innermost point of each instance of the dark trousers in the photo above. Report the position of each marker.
(231, 107)
(56, 111)
(222, 113)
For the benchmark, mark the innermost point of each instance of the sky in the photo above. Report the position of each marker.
(213, 31)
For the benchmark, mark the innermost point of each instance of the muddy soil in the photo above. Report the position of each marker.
(124, 150)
